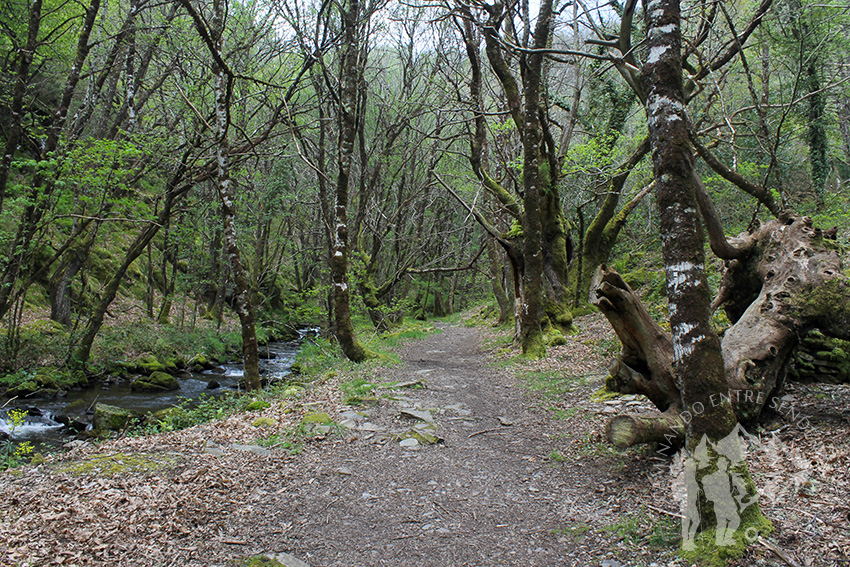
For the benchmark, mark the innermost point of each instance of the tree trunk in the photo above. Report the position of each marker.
(350, 66)
(242, 293)
(496, 280)
(697, 357)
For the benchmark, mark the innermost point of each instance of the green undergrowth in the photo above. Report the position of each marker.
(207, 408)
(314, 426)
(321, 358)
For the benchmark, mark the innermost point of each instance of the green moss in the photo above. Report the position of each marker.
(110, 418)
(156, 382)
(119, 463)
(264, 422)
(320, 418)
(257, 405)
(148, 363)
(534, 345)
(260, 561)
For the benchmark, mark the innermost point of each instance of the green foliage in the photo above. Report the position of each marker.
(13, 455)
(162, 342)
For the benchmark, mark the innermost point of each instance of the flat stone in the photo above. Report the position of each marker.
(410, 383)
(348, 423)
(409, 442)
(424, 415)
(288, 560)
(256, 449)
(344, 471)
(368, 426)
(214, 451)
(504, 421)
(352, 415)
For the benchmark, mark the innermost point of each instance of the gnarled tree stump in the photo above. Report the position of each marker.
(775, 267)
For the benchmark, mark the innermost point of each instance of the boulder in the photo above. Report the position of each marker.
(148, 364)
(110, 418)
(156, 382)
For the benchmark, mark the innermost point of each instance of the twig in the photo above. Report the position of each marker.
(233, 542)
(663, 511)
(775, 549)
(470, 436)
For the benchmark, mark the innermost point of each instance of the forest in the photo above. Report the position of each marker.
(192, 183)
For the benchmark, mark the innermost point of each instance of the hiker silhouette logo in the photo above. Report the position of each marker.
(711, 479)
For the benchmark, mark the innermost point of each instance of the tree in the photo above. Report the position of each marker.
(539, 248)
(351, 63)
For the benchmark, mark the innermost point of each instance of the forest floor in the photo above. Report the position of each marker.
(520, 475)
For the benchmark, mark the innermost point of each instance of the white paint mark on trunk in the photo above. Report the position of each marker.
(656, 53)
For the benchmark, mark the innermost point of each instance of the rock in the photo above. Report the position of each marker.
(288, 560)
(344, 471)
(213, 385)
(264, 422)
(77, 407)
(611, 563)
(423, 437)
(504, 421)
(214, 451)
(369, 427)
(110, 418)
(320, 418)
(184, 374)
(256, 449)
(352, 415)
(424, 415)
(156, 382)
(409, 442)
(148, 364)
(200, 361)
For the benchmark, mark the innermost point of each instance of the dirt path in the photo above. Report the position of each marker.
(522, 477)
(486, 495)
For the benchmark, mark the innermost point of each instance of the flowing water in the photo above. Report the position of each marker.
(41, 428)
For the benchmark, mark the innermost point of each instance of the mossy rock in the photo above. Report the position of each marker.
(156, 382)
(557, 339)
(77, 407)
(111, 418)
(148, 364)
(258, 405)
(320, 418)
(264, 422)
(119, 463)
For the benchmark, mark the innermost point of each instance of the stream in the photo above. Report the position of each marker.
(42, 430)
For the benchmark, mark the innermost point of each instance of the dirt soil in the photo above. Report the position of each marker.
(519, 476)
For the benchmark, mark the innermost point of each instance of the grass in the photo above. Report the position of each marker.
(551, 384)
(574, 531)
(294, 438)
(207, 408)
(644, 529)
